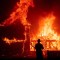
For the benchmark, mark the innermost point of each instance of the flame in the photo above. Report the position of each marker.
(46, 30)
(49, 38)
(14, 40)
(20, 13)
(24, 4)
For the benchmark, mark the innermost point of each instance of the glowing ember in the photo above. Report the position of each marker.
(8, 41)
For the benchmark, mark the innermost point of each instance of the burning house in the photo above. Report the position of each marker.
(21, 14)
(49, 38)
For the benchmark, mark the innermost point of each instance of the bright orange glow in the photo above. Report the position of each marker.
(8, 41)
(45, 29)
(49, 38)
(23, 10)
(14, 40)
(20, 13)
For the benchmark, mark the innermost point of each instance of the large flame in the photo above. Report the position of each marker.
(20, 13)
(49, 38)
(45, 29)
(23, 9)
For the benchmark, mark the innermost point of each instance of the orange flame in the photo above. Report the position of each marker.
(20, 13)
(45, 30)
(49, 38)
(8, 41)
(23, 10)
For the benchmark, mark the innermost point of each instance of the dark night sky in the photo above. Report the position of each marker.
(6, 7)
(42, 8)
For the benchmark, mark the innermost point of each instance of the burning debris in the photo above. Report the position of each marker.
(11, 41)
(45, 30)
(49, 38)
(21, 14)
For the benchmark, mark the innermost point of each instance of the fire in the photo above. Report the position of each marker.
(49, 38)
(20, 13)
(24, 4)
(14, 40)
(45, 29)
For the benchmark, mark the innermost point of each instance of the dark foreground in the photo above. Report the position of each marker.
(25, 58)
(18, 58)
(28, 59)
(51, 55)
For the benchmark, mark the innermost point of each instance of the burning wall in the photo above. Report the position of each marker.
(20, 13)
(49, 38)
(45, 29)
